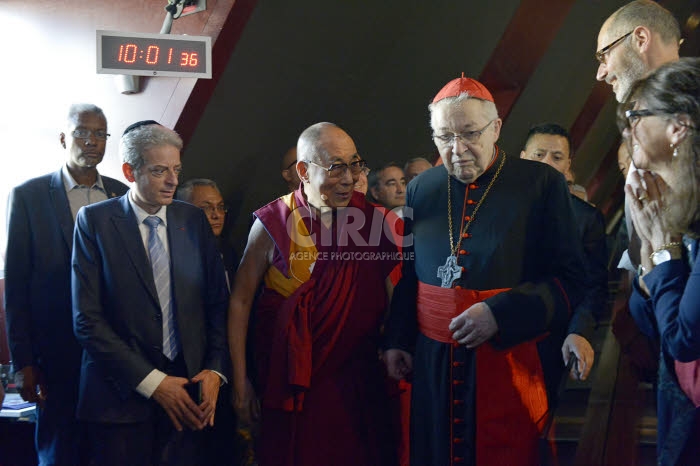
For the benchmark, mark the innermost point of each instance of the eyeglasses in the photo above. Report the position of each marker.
(81, 133)
(159, 172)
(338, 170)
(291, 165)
(602, 54)
(211, 209)
(466, 137)
(633, 116)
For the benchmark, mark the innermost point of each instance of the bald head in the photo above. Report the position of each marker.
(649, 14)
(317, 142)
(635, 40)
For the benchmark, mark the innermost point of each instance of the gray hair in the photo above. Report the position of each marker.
(184, 191)
(489, 108)
(75, 110)
(649, 14)
(137, 141)
(415, 160)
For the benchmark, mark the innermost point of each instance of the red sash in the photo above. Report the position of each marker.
(511, 399)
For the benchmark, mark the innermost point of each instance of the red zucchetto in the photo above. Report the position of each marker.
(461, 85)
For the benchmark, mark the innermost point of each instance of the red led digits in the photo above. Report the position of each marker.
(170, 56)
(152, 54)
(130, 49)
(189, 59)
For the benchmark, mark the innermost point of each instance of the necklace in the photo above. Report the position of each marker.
(451, 271)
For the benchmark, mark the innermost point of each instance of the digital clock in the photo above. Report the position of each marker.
(153, 54)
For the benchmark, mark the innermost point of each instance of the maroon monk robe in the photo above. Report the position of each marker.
(316, 354)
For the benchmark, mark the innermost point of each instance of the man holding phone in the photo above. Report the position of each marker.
(149, 303)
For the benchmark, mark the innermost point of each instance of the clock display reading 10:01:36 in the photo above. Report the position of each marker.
(159, 54)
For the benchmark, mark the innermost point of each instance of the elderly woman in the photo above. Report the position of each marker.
(661, 120)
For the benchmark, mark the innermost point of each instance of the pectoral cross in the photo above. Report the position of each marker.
(449, 272)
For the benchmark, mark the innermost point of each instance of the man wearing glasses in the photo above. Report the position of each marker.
(325, 261)
(45, 354)
(480, 315)
(635, 40)
(206, 195)
(289, 169)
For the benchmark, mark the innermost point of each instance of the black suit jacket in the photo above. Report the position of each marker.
(116, 314)
(591, 230)
(37, 277)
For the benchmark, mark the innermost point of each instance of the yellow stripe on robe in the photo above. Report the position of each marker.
(302, 254)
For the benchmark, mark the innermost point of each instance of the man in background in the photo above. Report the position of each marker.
(415, 167)
(635, 40)
(45, 354)
(388, 186)
(551, 144)
(205, 194)
(289, 170)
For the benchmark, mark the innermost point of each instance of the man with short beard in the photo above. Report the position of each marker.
(633, 41)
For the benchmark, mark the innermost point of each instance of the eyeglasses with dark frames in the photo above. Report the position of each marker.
(602, 54)
(338, 170)
(468, 137)
(633, 116)
(291, 165)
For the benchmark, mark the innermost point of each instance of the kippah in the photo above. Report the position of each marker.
(461, 85)
(138, 124)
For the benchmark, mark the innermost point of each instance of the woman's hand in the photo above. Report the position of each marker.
(647, 210)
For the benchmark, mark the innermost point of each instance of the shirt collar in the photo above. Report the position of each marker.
(69, 182)
(142, 214)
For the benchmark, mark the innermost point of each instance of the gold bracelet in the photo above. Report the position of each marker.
(674, 244)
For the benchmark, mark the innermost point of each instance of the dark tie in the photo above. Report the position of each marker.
(160, 263)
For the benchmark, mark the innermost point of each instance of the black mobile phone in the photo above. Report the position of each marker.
(194, 389)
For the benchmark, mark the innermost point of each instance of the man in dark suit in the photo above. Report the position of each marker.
(551, 144)
(45, 354)
(149, 306)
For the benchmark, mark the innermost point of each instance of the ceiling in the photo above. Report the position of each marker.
(372, 68)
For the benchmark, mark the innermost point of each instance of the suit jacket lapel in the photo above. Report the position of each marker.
(125, 224)
(109, 189)
(59, 200)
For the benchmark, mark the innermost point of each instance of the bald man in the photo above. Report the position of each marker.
(325, 294)
(635, 40)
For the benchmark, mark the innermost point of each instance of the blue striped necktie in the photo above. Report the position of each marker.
(160, 263)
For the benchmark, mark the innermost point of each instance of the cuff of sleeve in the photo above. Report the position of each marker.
(149, 384)
(224, 380)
